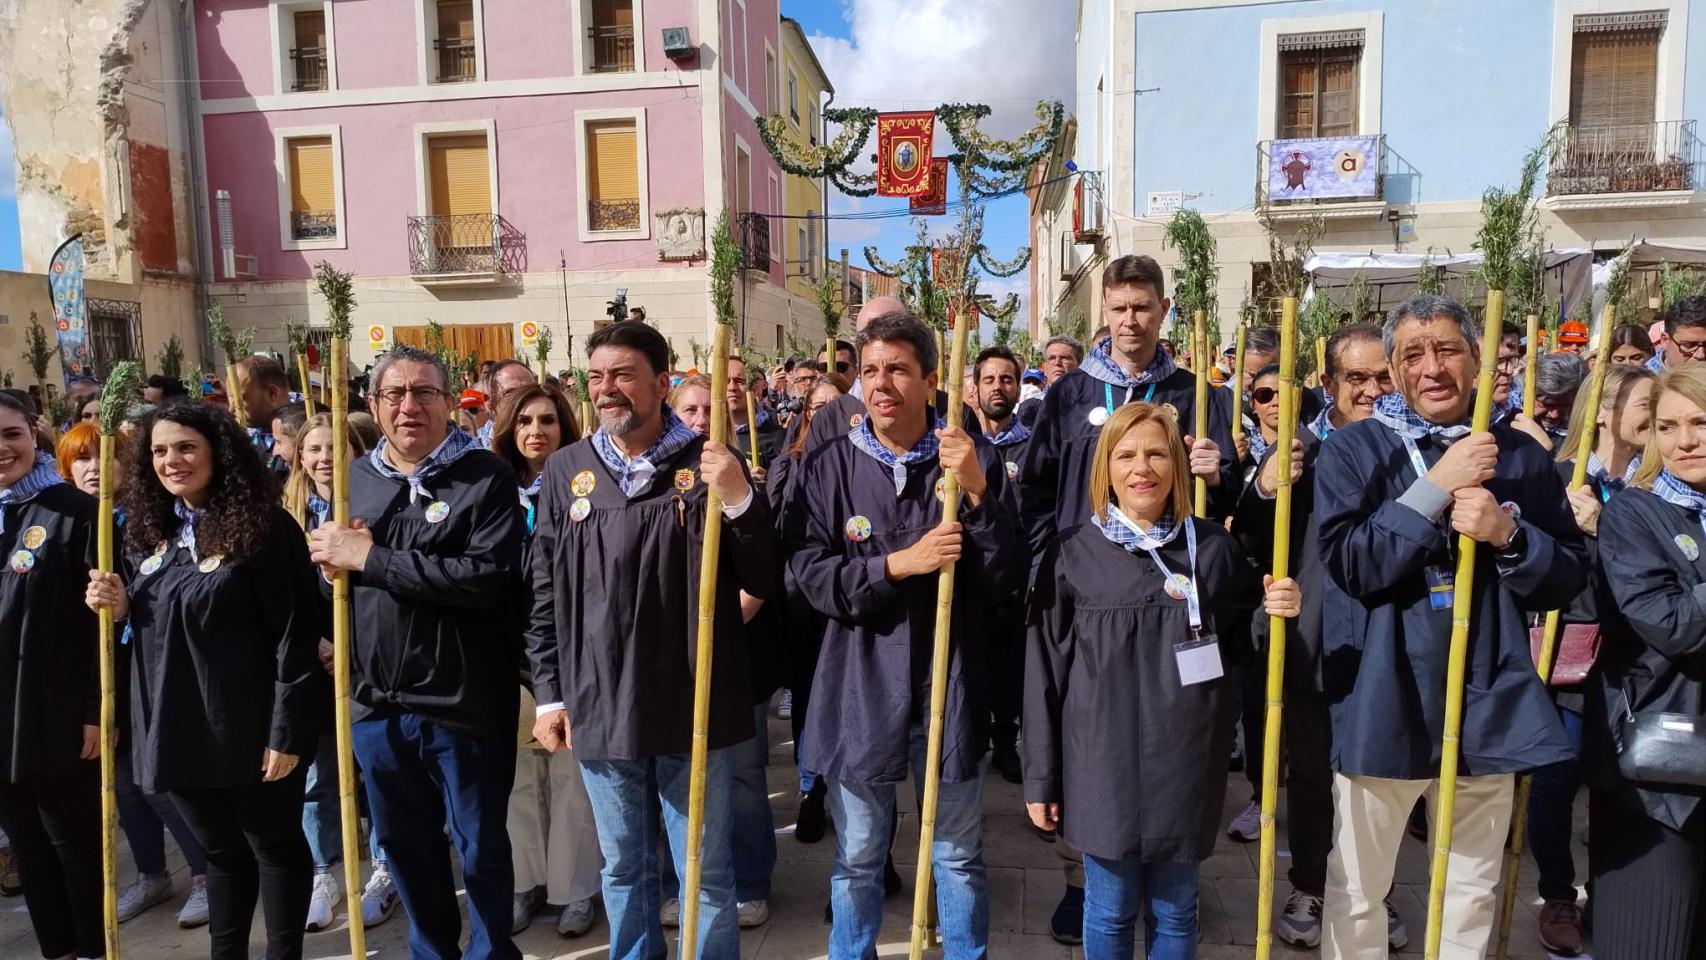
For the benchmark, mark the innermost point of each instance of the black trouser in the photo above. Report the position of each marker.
(54, 822)
(1006, 675)
(255, 847)
(1308, 788)
(1647, 884)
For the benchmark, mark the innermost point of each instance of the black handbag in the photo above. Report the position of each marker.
(1661, 749)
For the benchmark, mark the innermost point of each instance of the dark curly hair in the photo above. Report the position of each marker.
(242, 496)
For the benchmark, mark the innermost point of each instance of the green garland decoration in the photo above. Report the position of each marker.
(832, 157)
(996, 268)
(886, 268)
(1005, 156)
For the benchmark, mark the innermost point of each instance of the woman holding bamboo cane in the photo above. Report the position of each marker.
(1125, 743)
(227, 693)
(1648, 845)
(50, 791)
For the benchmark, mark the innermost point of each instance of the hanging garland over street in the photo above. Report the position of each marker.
(1006, 156)
(826, 160)
(997, 268)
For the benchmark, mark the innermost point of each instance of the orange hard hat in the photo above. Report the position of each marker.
(1573, 332)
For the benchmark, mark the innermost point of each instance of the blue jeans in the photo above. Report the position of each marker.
(417, 772)
(322, 813)
(1114, 892)
(864, 818)
(754, 840)
(145, 817)
(624, 808)
(1551, 800)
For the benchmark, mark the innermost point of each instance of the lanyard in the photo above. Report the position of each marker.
(1416, 458)
(1193, 606)
(1108, 396)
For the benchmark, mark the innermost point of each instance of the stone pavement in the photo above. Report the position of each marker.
(1025, 882)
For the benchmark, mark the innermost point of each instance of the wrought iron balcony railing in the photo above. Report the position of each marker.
(465, 244)
(614, 214)
(309, 68)
(313, 224)
(455, 59)
(612, 49)
(1624, 158)
(754, 237)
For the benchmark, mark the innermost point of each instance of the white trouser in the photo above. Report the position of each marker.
(562, 856)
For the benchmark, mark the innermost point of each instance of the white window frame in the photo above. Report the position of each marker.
(814, 127)
(804, 237)
(1368, 70)
(772, 80)
(426, 32)
(583, 174)
(741, 146)
(281, 169)
(283, 24)
(778, 238)
(794, 99)
(580, 19)
(1673, 52)
(735, 39)
(424, 132)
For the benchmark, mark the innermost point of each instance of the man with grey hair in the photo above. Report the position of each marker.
(1392, 495)
(1557, 378)
(434, 556)
(1061, 356)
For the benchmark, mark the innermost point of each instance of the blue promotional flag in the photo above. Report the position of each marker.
(70, 313)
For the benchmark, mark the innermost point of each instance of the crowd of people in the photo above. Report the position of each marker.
(524, 608)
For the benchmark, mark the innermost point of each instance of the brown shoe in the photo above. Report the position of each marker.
(1561, 927)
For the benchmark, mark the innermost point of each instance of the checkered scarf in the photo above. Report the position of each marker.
(530, 497)
(1099, 363)
(1657, 363)
(456, 445)
(318, 506)
(1119, 530)
(43, 474)
(635, 475)
(763, 418)
(1675, 491)
(865, 440)
(1599, 471)
(1258, 446)
(1407, 423)
(1322, 425)
(1016, 432)
(186, 530)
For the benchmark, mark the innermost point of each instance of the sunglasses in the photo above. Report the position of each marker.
(1264, 394)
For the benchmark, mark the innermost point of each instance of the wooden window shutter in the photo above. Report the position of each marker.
(1297, 95)
(461, 177)
(612, 161)
(1613, 77)
(456, 19)
(313, 184)
(1320, 77)
(311, 29)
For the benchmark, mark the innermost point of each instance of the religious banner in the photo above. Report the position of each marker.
(903, 153)
(1324, 168)
(934, 203)
(70, 313)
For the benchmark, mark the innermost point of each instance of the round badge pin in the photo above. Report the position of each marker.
(22, 561)
(208, 564)
(1689, 548)
(1170, 411)
(34, 537)
(858, 529)
(161, 548)
(1012, 470)
(583, 483)
(855, 420)
(684, 480)
(1511, 509)
(152, 564)
(580, 509)
(437, 511)
(942, 489)
(1098, 416)
(1177, 585)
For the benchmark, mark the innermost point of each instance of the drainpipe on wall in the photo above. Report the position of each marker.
(198, 175)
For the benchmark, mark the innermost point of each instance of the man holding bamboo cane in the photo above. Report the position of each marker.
(1391, 495)
(769, 434)
(869, 542)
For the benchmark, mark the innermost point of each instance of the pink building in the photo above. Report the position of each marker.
(490, 163)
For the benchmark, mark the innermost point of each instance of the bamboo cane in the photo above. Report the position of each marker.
(702, 664)
(1200, 361)
(350, 812)
(1320, 358)
(829, 355)
(921, 898)
(751, 425)
(587, 422)
(109, 711)
(307, 388)
(1531, 361)
(1276, 625)
(234, 394)
(1462, 601)
(942, 366)
(1549, 638)
(1238, 387)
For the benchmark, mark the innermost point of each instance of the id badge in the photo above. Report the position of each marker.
(1198, 659)
(1441, 587)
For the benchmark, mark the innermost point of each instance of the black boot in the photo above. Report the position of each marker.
(1005, 759)
(1067, 924)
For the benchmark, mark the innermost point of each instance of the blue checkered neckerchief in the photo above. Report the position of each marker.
(1015, 433)
(1099, 364)
(1258, 445)
(1598, 470)
(1120, 531)
(1669, 488)
(763, 419)
(1322, 425)
(43, 474)
(634, 474)
(483, 436)
(319, 507)
(530, 498)
(186, 530)
(456, 444)
(1513, 400)
(865, 440)
(1657, 363)
(1407, 423)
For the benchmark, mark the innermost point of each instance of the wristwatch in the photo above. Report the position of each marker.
(1513, 546)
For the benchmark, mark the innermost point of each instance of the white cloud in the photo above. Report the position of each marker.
(8, 172)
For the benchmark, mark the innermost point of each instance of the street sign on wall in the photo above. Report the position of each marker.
(1324, 168)
(1164, 203)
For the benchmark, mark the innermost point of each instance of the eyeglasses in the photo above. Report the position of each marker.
(1509, 363)
(1264, 394)
(1692, 349)
(393, 396)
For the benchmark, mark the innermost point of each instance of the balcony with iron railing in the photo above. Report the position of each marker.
(754, 238)
(613, 214)
(308, 66)
(1624, 164)
(314, 224)
(1304, 177)
(455, 59)
(612, 48)
(467, 248)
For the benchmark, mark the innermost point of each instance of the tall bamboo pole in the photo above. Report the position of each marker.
(702, 656)
(1200, 361)
(350, 812)
(1320, 357)
(921, 899)
(751, 425)
(1276, 625)
(829, 354)
(942, 368)
(109, 712)
(1531, 362)
(1549, 639)
(234, 393)
(307, 388)
(1462, 602)
(1238, 385)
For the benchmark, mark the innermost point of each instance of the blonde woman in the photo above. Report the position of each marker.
(1129, 699)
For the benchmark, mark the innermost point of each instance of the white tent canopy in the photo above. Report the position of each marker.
(1393, 276)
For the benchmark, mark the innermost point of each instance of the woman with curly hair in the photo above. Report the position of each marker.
(49, 737)
(227, 693)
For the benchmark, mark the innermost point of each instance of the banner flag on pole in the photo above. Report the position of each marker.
(934, 203)
(70, 313)
(903, 153)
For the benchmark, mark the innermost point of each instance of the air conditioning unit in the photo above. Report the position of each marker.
(1068, 258)
(676, 45)
(1087, 208)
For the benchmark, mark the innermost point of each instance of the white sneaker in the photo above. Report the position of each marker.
(143, 893)
(1247, 826)
(785, 705)
(1300, 923)
(379, 899)
(577, 918)
(671, 915)
(194, 913)
(323, 906)
(1396, 936)
(753, 913)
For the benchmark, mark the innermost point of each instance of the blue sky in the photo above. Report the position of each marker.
(11, 258)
